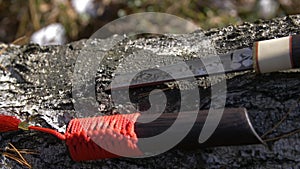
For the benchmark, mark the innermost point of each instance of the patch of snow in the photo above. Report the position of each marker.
(53, 34)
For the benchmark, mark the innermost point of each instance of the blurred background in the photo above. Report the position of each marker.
(62, 21)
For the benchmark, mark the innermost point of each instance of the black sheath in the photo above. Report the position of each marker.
(234, 128)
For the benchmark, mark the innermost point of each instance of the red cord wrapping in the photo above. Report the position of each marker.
(113, 133)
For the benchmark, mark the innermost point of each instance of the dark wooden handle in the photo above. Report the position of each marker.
(296, 51)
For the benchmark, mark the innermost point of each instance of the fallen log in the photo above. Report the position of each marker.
(36, 85)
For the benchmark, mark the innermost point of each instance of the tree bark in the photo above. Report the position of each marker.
(36, 85)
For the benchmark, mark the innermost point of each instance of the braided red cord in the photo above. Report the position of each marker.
(49, 131)
(91, 138)
(115, 135)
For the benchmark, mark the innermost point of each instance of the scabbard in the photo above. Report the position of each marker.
(131, 135)
(234, 128)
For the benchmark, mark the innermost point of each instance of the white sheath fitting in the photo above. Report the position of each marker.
(273, 55)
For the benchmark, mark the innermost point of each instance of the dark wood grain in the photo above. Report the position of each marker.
(234, 128)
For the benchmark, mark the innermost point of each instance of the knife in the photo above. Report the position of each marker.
(265, 56)
(94, 138)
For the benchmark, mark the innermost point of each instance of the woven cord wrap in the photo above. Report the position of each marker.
(90, 138)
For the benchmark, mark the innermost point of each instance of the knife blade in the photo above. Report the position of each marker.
(265, 56)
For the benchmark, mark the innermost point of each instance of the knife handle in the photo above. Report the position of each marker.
(277, 54)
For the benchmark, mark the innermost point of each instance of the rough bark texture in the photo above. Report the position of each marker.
(38, 87)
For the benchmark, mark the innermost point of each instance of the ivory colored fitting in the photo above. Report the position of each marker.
(273, 55)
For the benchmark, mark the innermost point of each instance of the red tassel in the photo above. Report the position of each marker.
(9, 123)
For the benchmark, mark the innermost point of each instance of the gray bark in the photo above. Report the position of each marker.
(38, 87)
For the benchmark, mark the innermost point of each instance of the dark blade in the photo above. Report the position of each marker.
(235, 61)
